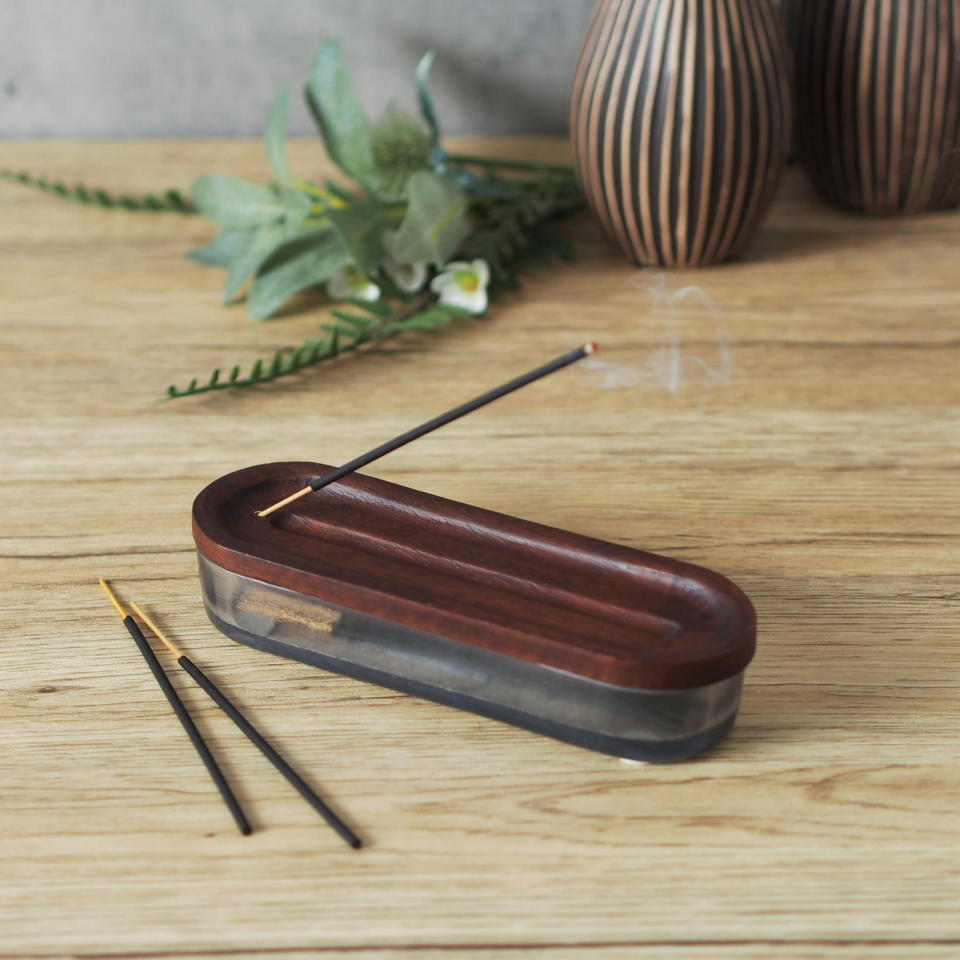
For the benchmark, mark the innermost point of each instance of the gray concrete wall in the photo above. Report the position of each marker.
(161, 68)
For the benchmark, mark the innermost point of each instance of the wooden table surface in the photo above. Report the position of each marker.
(790, 420)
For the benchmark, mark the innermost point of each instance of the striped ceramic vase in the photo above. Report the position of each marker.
(878, 101)
(680, 123)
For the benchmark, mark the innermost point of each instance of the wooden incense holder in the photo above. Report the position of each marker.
(600, 645)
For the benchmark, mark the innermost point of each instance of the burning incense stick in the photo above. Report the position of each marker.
(181, 711)
(222, 701)
(444, 418)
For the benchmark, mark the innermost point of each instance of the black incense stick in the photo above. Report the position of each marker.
(254, 735)
(316, 484)
(180, 710)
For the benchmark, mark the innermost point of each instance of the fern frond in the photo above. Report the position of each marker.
(349, 333)
(170, 201)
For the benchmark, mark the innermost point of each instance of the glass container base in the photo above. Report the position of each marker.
(635, 724)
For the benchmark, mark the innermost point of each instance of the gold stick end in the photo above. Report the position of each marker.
(113, 597)
(164, 639)
(282, 503)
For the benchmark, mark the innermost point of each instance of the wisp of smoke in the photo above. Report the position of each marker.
(693, 353)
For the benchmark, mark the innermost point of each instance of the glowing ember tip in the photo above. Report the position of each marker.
(592, 347)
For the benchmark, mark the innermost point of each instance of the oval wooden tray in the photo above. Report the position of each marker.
(595, 609)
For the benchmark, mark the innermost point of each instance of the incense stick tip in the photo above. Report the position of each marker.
(591, 347)
(112, 597)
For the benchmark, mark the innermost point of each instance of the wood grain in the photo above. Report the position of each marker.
(797, 432)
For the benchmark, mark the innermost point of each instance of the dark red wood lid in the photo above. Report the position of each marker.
(589, 607)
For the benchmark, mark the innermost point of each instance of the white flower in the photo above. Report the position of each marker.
(348, 283)
(463, 285)
(409, 277)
